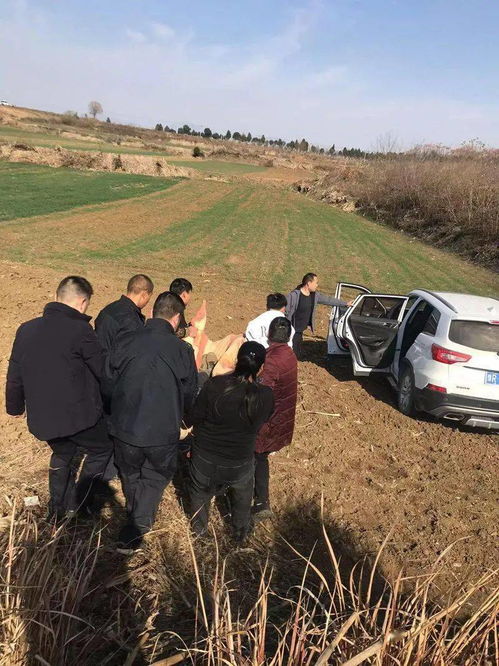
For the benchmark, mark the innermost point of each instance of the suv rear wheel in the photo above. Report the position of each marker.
(406, 391)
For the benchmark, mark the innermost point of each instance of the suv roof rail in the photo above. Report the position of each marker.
(439, 298)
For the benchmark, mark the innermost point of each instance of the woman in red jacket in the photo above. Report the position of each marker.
(280, 373)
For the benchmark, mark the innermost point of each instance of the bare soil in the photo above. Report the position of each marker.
(146, 165)
(374, 471)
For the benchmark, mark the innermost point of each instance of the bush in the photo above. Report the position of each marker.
(451, 201)
(197, 152)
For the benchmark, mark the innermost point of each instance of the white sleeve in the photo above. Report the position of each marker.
(290, 343)
(252, 332)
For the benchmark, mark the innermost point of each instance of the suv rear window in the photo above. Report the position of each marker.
(475, 334)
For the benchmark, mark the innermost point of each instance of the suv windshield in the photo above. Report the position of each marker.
(475, 334)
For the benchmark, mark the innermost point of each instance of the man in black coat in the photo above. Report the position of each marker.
(154, 385)
(116, 319)
(125, 314)
(54, 373)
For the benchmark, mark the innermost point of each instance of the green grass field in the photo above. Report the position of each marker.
(27, 189)
(249, 233)
(47, 140)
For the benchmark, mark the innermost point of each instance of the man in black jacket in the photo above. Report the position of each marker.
(155, 383)
(117, 318)
(54, 372)
(125, 314)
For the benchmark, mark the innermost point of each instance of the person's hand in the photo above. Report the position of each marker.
(185, 432)
(350, 303)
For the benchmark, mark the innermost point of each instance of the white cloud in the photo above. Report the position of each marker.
(135, 36)
(163, 30)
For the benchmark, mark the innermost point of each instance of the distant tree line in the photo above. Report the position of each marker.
(301, 146)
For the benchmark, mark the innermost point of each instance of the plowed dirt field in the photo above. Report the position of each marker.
(374, 471)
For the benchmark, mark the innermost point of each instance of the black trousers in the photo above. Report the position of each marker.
(262, 477)
(210, 478)
(145, 471)
(298, 345)
(65, 493)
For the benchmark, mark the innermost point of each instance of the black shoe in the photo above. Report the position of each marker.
(261, 512)
(129, 541)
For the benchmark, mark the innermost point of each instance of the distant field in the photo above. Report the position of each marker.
(28, 189)
(216, 166)
(47, 140)
(252, 234)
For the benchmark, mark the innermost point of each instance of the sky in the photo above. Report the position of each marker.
(348, 72)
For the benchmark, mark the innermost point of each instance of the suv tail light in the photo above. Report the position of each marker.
(447, 356)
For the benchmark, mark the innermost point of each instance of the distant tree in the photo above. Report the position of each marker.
(197, 152)
(108, 119)
(303, 146)
(248, 138)
(94, 108)
(185, 129)
(321, 151)
(313, 149)
(207, 133)
(228, 135)
(216, 135)
(159, 127)
(332, 150)
(236, 136)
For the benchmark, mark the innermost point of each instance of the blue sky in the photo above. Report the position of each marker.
(334, 71)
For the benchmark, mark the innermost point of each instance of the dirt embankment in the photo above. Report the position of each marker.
(147, 165)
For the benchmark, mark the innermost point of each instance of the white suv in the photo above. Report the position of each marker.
(439, 350)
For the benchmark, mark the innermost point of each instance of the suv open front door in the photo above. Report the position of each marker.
(371, 327)
(345, 292)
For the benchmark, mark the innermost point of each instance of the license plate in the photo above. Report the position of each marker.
(492, 378)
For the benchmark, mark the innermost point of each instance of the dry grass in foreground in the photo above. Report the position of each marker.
(307, 614)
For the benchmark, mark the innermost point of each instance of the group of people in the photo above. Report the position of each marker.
(134, 394)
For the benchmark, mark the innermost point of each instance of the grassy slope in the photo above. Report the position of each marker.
(48, 140)
(253, 234)
(27, 190)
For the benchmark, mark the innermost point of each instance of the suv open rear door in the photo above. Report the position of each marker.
(370, 328)
(345, 292)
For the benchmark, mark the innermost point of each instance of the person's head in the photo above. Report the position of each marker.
(249, 364)
(139, 290)
(276, 301)
(183, 288)
(75, 291)
(279, 330)
(310, 281)
(168, 306)
(250, 360)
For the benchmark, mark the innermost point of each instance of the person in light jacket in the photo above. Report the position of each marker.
(258, 328)
(280, 373)
(302, 303)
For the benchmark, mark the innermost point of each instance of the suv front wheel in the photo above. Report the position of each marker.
(406, 391)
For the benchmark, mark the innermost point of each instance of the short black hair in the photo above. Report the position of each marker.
(279, 330)
(138, 283)
(308, 277)
(167, 305)
(179, 285)
(74, 285)
(276, 301)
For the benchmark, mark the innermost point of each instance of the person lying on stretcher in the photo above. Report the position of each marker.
(212, 357)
